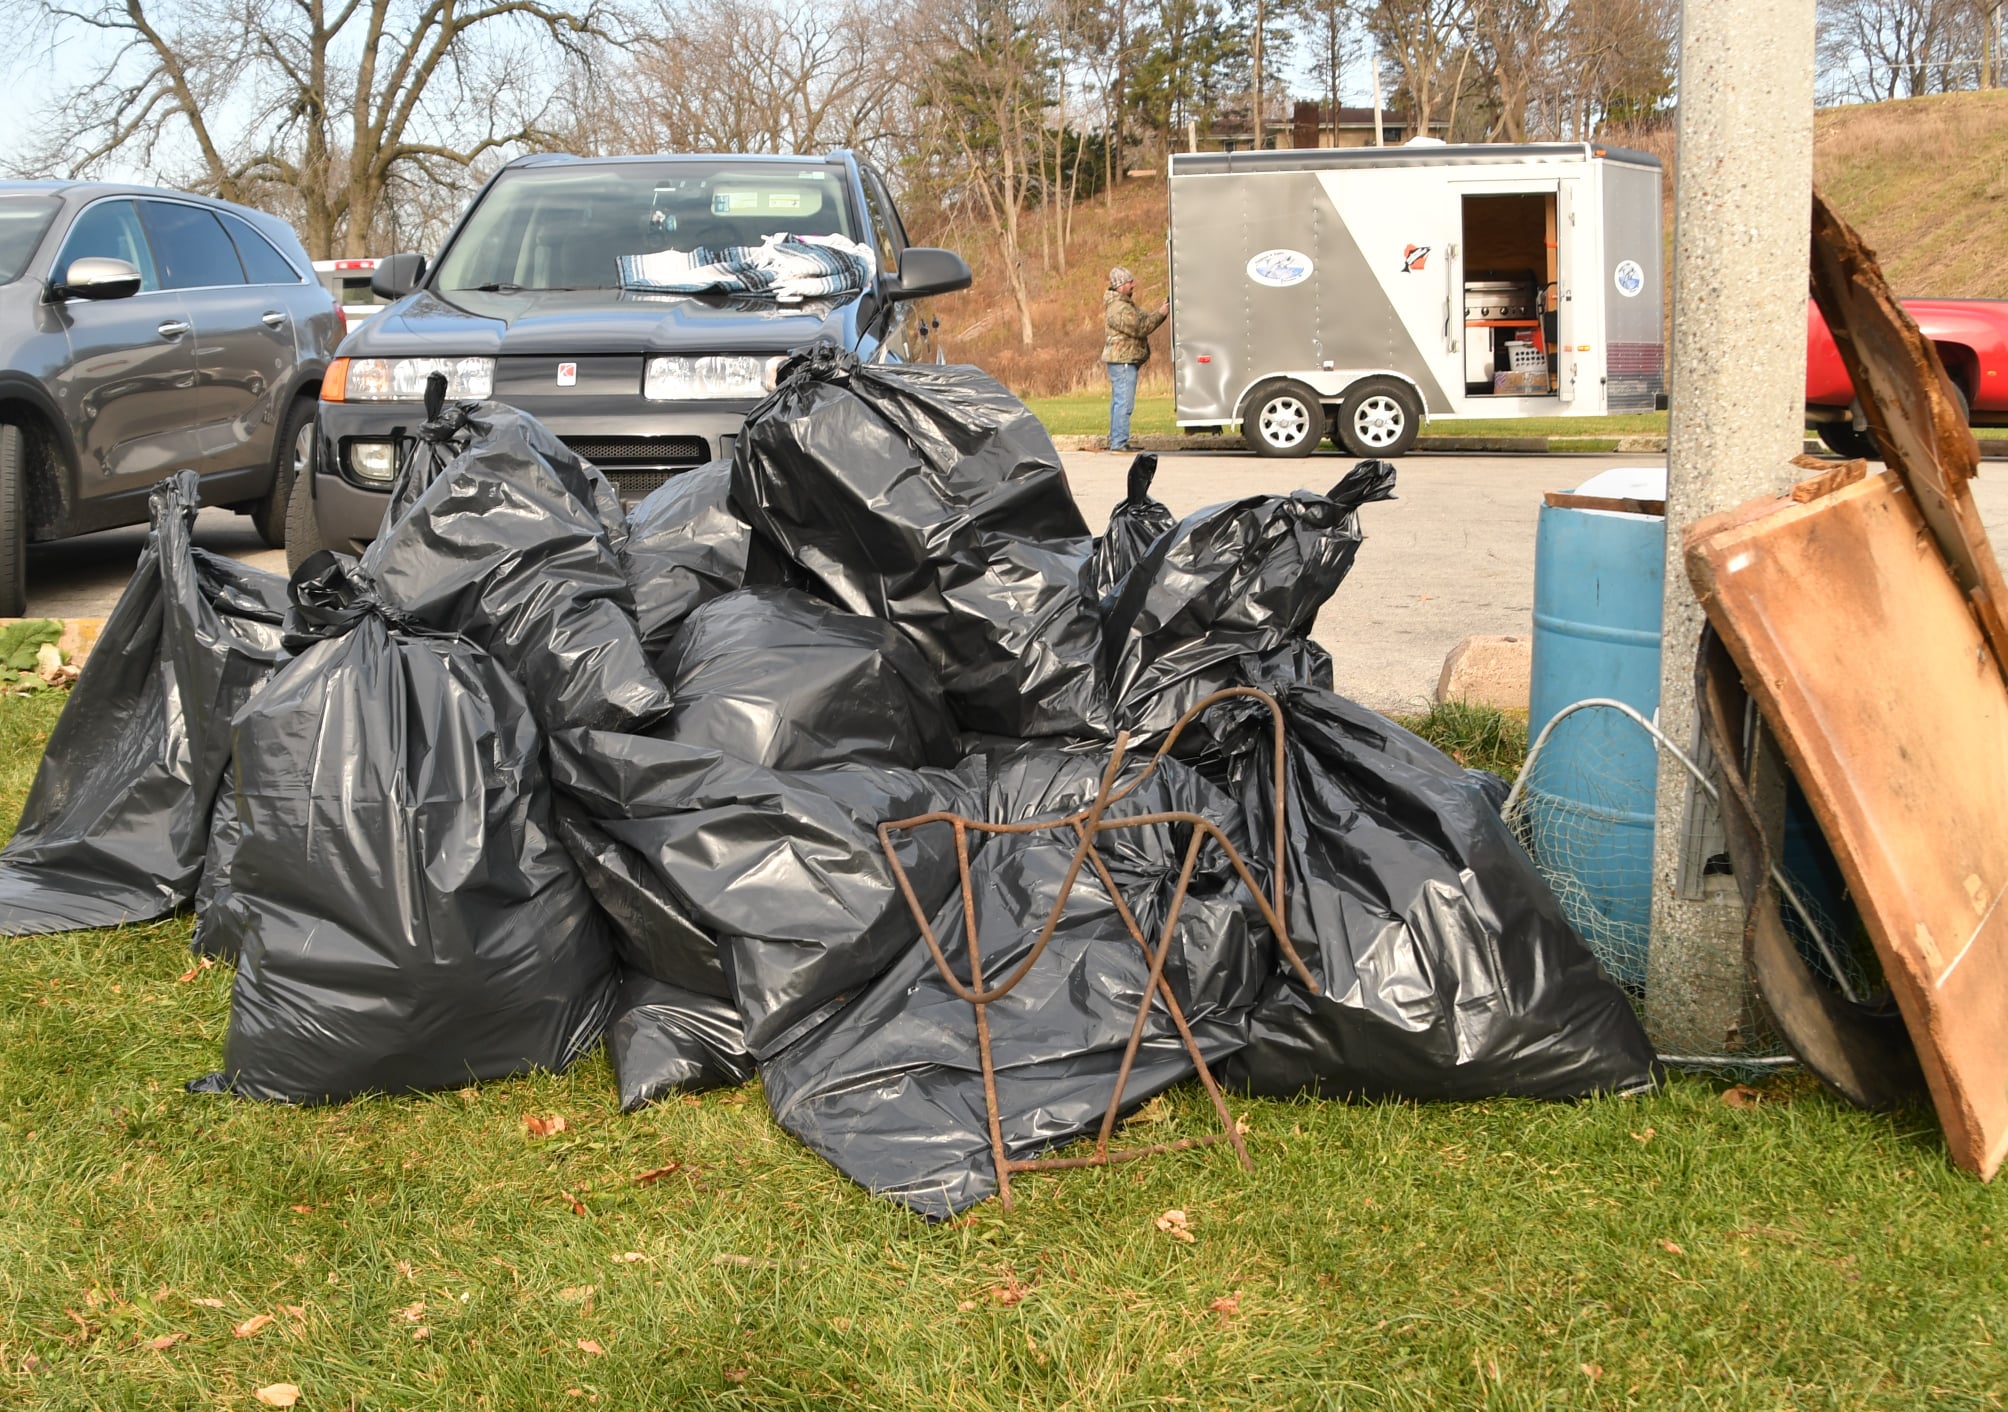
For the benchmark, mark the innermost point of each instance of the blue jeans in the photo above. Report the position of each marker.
(1122, 402)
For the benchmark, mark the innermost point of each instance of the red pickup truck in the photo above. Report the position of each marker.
(1972, 340)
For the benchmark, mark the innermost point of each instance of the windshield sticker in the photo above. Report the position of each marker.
(1279, 269)
(1629, 278)
(1413, 258)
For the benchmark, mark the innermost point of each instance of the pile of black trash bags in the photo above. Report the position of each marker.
(533, 772)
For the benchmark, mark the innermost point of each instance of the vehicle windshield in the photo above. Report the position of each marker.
(567, 227)
(23, 218)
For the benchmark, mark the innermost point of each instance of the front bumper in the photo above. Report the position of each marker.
(637, 444)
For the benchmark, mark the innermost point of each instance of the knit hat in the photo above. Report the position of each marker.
(1118, 277)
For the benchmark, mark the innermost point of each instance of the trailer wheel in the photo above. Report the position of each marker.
(1284, 420)
(1843, 440)
(1380, 417)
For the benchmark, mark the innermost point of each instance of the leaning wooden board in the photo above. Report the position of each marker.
(1869, 664)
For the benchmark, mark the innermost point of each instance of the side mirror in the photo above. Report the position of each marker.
(397, 275)
(924, 270)
(97, 277)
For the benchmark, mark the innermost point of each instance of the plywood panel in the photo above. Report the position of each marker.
(1867, 660)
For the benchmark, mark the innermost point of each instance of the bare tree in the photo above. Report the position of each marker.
(317, 108)
(1424, 40)
(1332, 32)
(1879, 49)
(986, 94)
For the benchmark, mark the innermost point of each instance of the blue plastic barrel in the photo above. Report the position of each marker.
(1598, 577)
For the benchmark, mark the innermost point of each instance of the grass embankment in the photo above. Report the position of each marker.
(423, 1251)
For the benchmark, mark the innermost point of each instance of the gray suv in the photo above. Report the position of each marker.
(144, 332)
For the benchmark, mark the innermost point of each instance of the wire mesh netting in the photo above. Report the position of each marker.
(1583, 807)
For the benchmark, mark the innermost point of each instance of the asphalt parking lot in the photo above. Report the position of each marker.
(1453, 556)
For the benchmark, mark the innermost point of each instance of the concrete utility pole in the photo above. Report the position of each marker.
(1742, 228)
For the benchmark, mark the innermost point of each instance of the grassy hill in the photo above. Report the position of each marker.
(1925, 180)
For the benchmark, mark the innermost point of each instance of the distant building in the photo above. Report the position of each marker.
(1313, 125)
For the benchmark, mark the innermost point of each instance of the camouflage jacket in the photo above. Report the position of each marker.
(1130, 329)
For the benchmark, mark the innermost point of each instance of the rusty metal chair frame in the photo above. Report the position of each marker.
(1088, 824)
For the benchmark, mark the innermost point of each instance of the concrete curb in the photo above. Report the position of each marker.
(1993, 449)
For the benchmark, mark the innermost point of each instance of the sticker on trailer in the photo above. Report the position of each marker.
(1414, 258)
(1629, 278)
(568, 374)
(1279, 269)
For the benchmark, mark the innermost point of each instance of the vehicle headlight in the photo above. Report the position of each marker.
(677, 379)
(403, 379)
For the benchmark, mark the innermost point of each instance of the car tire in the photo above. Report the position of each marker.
(1842, 439)
(303, 526)
(1284, 420)
(294, 457)
(13, 521)
(1380, 417)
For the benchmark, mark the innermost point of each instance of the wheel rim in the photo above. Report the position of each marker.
(1379, 421)
(1284, 422)
(303, 450)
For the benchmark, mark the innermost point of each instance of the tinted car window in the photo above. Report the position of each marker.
(22, 221)
(111, 230)
(194, 252)
(262, 263)
(566, 227)
(886, 234)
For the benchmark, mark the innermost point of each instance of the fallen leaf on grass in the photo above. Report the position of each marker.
(656, 1174)
(420, 1334)
(1670, 1248)
(1153, 1112)
(1227, 1306)
(412, 1313)
(1741, 1096)
(544, 1127)
(252, 1325)
(578, 1206)
(1009, 1292)
(1647, 1136)
(279, 1395)
(1592, 1371)
(208, 1303)
(737, 1375)
(32, 1364)
(1173, 1224)
(966, 1305)
(578, 1294)
(302, 1210)
(165, 1341)
(197, 969)
(628, 1257)
(591, 1346)
(296, 1311)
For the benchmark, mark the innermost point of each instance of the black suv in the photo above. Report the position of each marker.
(143, 332)
(534, 302)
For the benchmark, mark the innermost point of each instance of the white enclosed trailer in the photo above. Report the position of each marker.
(1354, 291)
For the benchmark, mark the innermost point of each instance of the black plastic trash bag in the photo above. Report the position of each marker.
(685, 547)
(779, 678)
(929, 496)
(663, 1040)
(405, 916)
(515, 545)
(1447, 967)
(891, 1089)
(117, 823)
(434, 446)
(653, 932)
(1232, 586)
(783, 867)
(1135, 525)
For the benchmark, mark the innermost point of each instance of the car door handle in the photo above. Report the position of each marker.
(174, 328)
(273, 318)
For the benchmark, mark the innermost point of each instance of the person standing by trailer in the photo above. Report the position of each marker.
(1126, 350)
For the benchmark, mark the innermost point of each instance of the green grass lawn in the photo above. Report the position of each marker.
(1087, 414)
(411, 1252)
